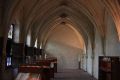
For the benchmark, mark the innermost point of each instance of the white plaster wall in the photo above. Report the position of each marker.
(84, 61)
(64, 44)
(89, 59)
(112, 42)
(28, 40)
(98, 52)
(17, 33)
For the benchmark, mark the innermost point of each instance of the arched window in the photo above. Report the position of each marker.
(35, 43)
(10, 33)
(28, 38)
(9, 45)
(41, 46)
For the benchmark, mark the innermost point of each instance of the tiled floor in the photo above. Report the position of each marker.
(72, 75)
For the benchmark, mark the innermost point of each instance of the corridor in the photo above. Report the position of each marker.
(72, 74)
(39, 37)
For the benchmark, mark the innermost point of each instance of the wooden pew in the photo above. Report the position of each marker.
(51, 61)
(42, 70)
(48, 62)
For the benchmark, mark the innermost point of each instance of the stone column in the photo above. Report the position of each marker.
(103, 45)
(93, 57)
(86, 56)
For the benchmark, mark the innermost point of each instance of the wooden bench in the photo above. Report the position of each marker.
(52, 62)
(44, 71)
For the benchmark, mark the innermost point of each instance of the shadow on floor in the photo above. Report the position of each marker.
(69, 74)
(72, 75)
(8, 74)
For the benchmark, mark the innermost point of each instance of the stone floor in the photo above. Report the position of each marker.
(72, 75)
(8, 74)
(60, 75)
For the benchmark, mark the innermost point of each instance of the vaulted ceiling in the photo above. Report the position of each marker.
(40, 16)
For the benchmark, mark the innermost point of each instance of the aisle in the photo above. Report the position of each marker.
(72, 75)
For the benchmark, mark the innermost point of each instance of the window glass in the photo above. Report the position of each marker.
(10, 33)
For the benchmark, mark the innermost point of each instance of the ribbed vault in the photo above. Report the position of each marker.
(63, 12)
(39, 16)
(37, 24)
